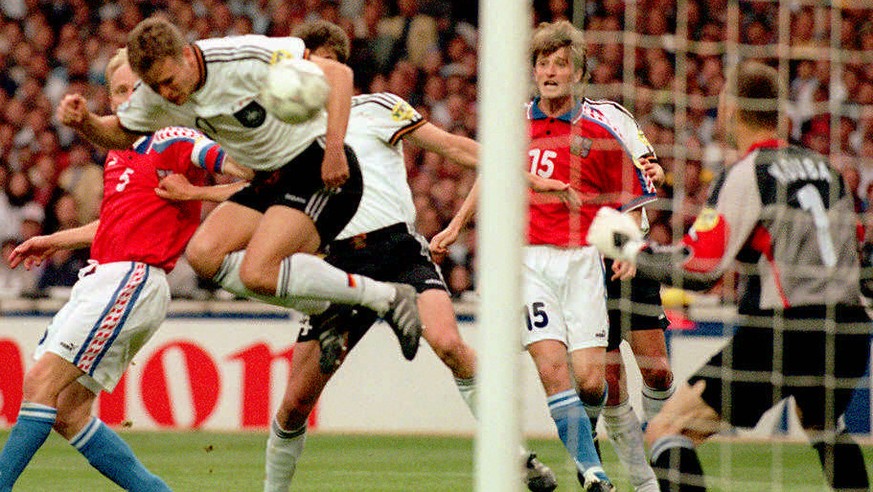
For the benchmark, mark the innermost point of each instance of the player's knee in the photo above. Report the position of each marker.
(202, 257)
(658, 377)
(591, 390)
(256, 279)
(37, 386)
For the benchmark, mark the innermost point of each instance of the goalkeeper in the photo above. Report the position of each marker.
(785, 215)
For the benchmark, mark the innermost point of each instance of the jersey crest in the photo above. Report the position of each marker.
(580, 145)
(280, 55)
(402, 111)
(252, 115)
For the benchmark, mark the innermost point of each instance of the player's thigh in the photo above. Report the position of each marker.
(281, 232)
(227, 229)
(589, 369)
(438, 317)
(650, 350)
(583, 300)
(739, 384)
(48, 377)
(112, 312)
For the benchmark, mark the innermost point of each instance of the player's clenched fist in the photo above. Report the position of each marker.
(72, 110)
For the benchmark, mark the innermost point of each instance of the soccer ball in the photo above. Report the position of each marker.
(295, 90)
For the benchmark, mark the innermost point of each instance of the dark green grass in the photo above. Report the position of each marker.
(205, 461)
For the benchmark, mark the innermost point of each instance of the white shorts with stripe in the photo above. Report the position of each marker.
(564, 296)
(114, 309)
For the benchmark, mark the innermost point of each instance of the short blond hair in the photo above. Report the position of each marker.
(117, 60)
(549, 37)
(153, 40)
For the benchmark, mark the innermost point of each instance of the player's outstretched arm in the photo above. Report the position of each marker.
(105, 131)
(458, 149)
(176, 187)
(445, 238)
(334, 168)
(36, 249)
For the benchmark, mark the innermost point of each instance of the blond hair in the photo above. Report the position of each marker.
(117, 60)
(152, 40)
(549, 37)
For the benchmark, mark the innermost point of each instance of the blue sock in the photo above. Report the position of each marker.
(574, 428)
(112, 457)
(34, 424)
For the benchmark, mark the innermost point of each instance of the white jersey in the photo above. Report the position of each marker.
(624, 125)
(226, 106)
(628, 131)
(377, 125)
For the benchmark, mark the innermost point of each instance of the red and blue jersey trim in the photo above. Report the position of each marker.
(110, 323)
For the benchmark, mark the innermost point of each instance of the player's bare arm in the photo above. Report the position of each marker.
(445, 238)
(458, 149)
(105, 131)
(233, 168)
(176, 187)
(334, 168)
(36, 249)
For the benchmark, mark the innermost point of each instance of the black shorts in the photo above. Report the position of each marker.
(791, 356)
(298, 185)
(390, 254)
(633, 304)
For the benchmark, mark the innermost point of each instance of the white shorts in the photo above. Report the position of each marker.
(564, 297)
(114, 309)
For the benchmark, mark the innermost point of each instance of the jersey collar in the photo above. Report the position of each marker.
(537, 114)
(201, 67)
(770, 143)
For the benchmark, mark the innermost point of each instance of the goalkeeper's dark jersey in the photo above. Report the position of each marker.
(785, 215)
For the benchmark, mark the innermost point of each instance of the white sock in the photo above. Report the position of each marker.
(624, 430)
(654, 399)
(228, 278)
(283, 450)
(467, 388)
(308, 276)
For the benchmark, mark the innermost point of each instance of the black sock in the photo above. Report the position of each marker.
(676, 465)
(843, 463)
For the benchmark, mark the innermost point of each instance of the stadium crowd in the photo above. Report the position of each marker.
(667, 69)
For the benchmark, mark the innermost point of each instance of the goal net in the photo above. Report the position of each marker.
(666, 62)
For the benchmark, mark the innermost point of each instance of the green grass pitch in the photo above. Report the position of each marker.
(208, 461)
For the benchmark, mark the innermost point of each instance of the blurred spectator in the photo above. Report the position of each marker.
(426, 52)
(16, 204)
(83, 179)
(61, 269)
(15, 282)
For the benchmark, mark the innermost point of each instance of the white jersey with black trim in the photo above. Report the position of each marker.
(624, 125)
(377, 125)
(629, 132)
(226, 106)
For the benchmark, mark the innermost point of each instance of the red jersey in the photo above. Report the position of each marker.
(136, 224)
(581, 148)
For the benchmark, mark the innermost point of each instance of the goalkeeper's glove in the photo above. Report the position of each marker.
(615, 235)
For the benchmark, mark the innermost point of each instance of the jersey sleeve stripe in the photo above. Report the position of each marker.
(638, 202)
(406, 130)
